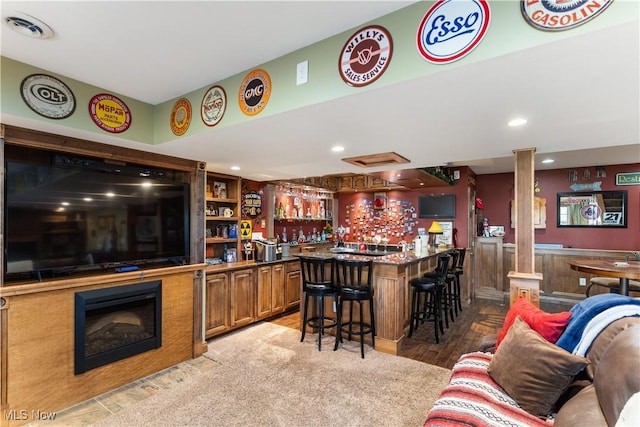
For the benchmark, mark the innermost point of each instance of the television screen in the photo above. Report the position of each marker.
(437, 206)
(65, 213)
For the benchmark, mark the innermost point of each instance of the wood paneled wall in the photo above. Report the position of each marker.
(40, 342)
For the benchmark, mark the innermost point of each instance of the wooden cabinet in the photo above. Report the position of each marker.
(293, 285)
(229, 301)
(488, 279)
(222, 216)
(270, 290)
(242, 290)
(241, 296)
(217, 304)
(539, 213)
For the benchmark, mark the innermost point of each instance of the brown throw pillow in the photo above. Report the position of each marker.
(533, 371)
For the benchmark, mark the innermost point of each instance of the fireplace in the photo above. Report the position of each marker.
(115, 323)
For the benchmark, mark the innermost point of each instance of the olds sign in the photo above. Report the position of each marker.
(557, 15)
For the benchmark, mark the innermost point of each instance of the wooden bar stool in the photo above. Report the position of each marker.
(431, 289)
(354, 279)
(459, 271)
(448, 300)
(317, 285)
(612, 283)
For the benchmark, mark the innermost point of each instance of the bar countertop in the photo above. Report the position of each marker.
(379, 257)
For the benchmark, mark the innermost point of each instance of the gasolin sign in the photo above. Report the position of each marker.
(365, 56)
(451, 29)
(557, 15)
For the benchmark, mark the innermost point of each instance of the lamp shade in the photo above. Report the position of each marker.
(435, 228)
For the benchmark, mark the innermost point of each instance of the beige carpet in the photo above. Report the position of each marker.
(264, 376)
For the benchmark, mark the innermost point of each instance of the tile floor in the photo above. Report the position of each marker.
(109, 403)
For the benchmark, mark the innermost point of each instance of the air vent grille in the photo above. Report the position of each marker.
(374, 160)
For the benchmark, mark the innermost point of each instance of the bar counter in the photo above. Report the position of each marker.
(391, 276)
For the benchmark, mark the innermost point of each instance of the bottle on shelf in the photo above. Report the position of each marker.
(280, 211)
(284, 235)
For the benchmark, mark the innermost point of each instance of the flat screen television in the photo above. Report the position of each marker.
(437, 206)
(66, 213)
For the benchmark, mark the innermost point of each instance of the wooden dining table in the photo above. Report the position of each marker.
(608, 267)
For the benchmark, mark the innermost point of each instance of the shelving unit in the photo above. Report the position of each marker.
(222, 215)
(286, 202)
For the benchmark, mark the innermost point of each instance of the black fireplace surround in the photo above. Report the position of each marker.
(115, 323)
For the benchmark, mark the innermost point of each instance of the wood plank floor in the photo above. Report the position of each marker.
(480, 318)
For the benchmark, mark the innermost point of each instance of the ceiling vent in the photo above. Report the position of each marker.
(28, 26)
(374, 160)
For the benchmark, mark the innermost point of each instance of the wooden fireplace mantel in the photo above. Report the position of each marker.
(37, 321)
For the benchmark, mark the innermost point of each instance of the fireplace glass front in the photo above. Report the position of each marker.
(115, 323)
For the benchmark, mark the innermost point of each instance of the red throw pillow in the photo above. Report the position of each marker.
(549, 325)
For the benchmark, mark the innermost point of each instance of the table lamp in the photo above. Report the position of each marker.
(433, 230)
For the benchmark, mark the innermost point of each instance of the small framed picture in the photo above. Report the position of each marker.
(219, 190)
(380, 201)
(232, 255)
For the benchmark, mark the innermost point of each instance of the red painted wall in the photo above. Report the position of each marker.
(346, 200)
(497, 191)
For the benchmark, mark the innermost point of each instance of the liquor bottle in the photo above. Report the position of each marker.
(280, 211)
(284, 235)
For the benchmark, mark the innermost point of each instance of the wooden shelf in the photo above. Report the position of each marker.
(209, 240)
(215, 246)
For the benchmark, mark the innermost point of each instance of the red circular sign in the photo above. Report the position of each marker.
(110, 113)
(365, 56)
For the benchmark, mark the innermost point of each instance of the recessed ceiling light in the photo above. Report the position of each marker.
(337, 149)
(28, 26)
(87, 199)
(235, 168)
(548, 161)
(517, 122)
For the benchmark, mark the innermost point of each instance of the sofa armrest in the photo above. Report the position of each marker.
(488, 343)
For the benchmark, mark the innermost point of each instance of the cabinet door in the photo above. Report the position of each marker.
(539, 213)
(242, 297)
(217, 311)
(264, 294)
(293, 284)
(277, 288)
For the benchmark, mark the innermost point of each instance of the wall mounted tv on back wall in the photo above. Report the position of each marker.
(66, 213)
(437, 206)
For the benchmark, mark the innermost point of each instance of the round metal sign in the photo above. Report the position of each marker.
(48, 96)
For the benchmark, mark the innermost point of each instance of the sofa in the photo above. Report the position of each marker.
(580, 367)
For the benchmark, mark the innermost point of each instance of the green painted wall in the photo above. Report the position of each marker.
(508, 33)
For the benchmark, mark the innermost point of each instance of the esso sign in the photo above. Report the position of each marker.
(451, 29)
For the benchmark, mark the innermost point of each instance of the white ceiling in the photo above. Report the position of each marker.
(581, 95)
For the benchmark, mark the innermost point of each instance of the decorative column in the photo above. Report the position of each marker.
(524, 281)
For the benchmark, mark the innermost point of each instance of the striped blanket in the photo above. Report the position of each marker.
(473, 399)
